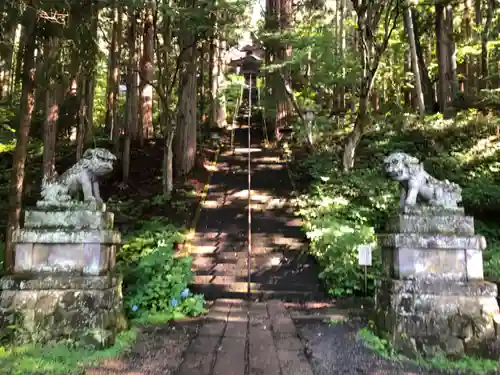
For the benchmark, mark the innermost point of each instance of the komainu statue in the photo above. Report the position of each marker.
(81, 177)
(416, 182)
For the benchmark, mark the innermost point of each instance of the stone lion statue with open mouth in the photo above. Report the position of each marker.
(416, 182)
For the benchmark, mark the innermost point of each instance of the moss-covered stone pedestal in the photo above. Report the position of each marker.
(63, 285)
(432, 298)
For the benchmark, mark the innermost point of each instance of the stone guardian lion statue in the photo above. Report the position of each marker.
(416, 182)
(81, 177)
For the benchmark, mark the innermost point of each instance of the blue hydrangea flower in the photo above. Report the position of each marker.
(174, 302)
(185, 293)
(134, 308)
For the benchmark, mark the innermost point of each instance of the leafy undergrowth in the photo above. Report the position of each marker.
(155, 279)
(466, 364)
(59, 358)
(343, 210)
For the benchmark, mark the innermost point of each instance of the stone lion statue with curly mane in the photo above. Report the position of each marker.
(416, 182)
(82, 177)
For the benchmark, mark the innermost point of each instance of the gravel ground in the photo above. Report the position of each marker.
(334, 349)
(158, 351)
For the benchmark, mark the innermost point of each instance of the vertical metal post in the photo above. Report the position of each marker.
(366, 281)
(249, 252)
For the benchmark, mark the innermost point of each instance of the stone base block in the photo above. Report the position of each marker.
(77, 258)
(70, 205)
(76, 219)
(415, 256)
(440, 317)
(456, 224)
(60, 307)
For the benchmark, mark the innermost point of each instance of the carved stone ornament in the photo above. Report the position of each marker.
(416, 182)
(63, 190)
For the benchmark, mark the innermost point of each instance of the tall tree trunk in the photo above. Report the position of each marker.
(5, 85)
(25, 113)
(51, 108)
(468, 38)
(214, 75)
(110, 118)
(201, 82)
(342, 47)
(212, 69)
(452, 53)
(419, 95)
(478, 21)
(169, 128)
(284, 11)
(82, 111)
(91, 81)
(484, 43)
(132, 98)
(220, 107)
(442, 53)
(116, 81)
(185, 137)
(407, 90)
(147, 74)
(427, 85)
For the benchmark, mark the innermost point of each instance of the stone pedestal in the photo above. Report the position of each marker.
(63, 285)
(432, 297)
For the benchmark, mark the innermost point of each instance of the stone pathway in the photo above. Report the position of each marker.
(246, 338)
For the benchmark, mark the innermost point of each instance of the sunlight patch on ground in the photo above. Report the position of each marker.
(259, 196)
(274, 261)
(294, 222)
(260, 167)
(196, 249)
(223, 317)
(210, 166)
(214, 235)
(290, 243)
(268, 159)
(483, 148)
(244, 150)
(210, 204)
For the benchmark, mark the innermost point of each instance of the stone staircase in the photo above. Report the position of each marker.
(279, 266)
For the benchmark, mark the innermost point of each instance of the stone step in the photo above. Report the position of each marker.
(214, 287)
(213, 292)
(239, 262)
(259, 281)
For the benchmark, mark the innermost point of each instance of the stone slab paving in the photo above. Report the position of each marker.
(246, 338)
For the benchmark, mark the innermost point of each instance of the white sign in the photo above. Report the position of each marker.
(365, 255)
(123, 88)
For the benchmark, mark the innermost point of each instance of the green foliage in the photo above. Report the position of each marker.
(344, 210)
(58, 358)
(341, 212)
(375, 343)
(384, 348)
(156, 280)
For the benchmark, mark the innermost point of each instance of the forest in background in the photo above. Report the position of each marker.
(150, 79)
(353, 79)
